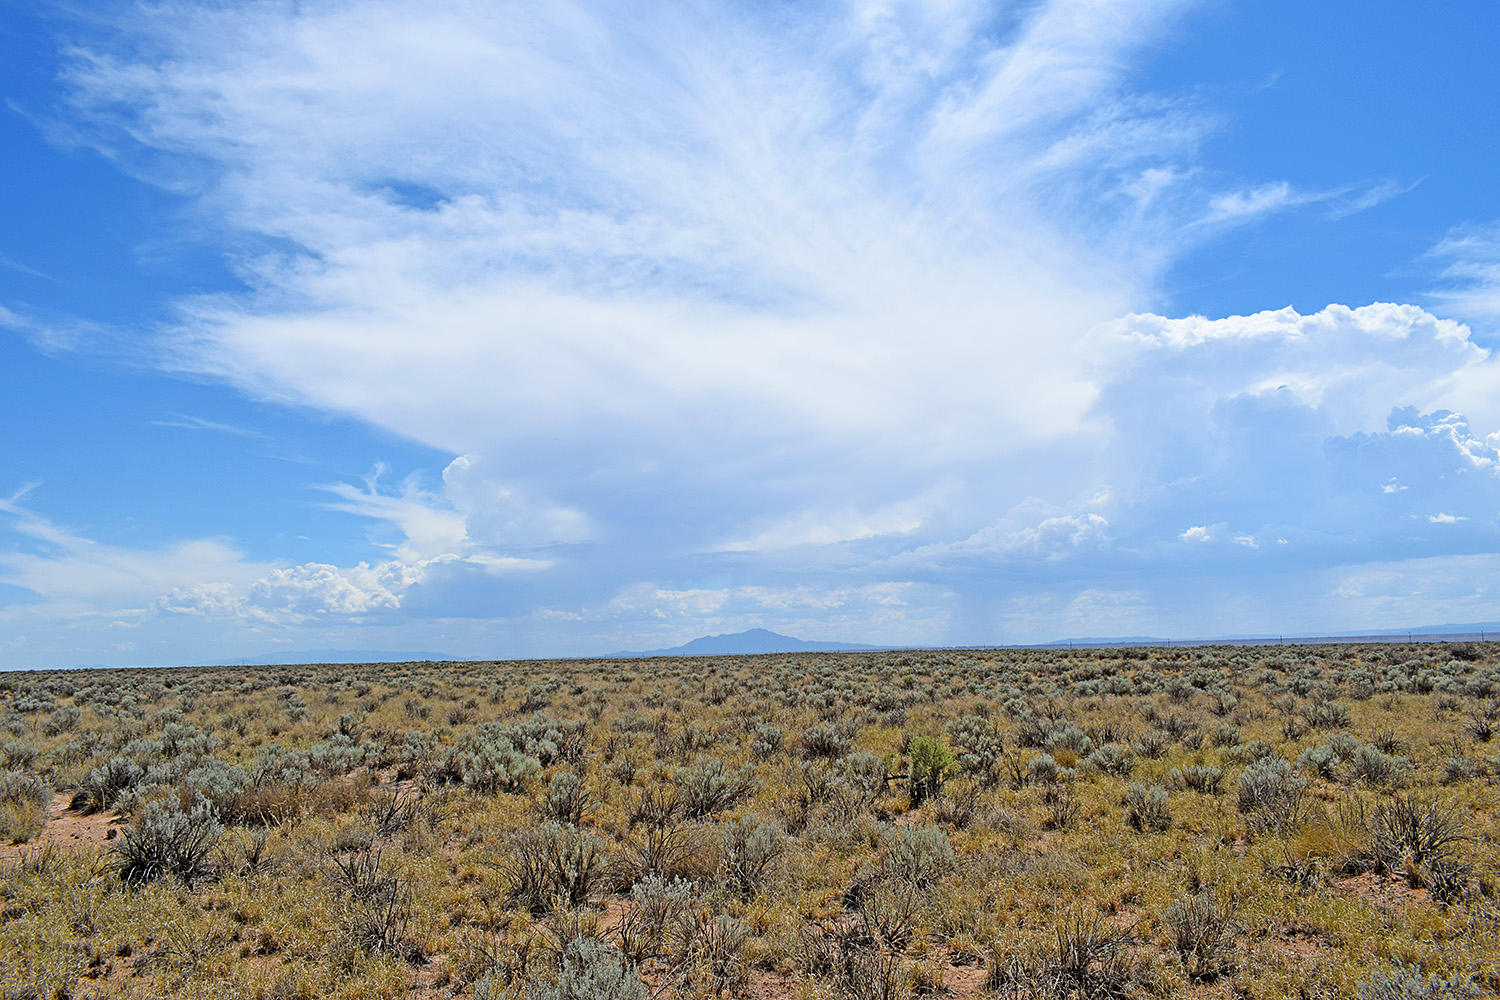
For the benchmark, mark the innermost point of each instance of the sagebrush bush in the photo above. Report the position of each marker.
(1326, 715)
(658, 906)
(552, 864)
(979, 748)
(1407, 982)
(105, 784)
(1270, 794)
(1062, 807)
(767, 742)
(1323, 761)
(1205, 778)
(168, 840)
(1112, 758)
(919, 854)
(1042, 769)
(565, 799)
(1086, 955)
(1415, 830)
(588, 969)
(1152, 745)
(1373, 766)
(826, 740)
(708, 787)
(1202, 930)
(1147, 807)
(18, 754)
(750, 847)
(494, 766)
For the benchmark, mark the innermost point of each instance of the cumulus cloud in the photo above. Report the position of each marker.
(497, 513)
(211, 598)
(1351, 365)
(1292, 426)
(1032, 530)
(316, 587)
(80, 580)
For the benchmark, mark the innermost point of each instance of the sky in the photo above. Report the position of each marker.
(564, 328)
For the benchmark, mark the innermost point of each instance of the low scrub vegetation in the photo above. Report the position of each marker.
(1216, 822)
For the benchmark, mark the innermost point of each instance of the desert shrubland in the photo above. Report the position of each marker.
(1217, 822)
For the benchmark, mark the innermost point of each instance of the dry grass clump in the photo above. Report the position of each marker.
(23, 806)
(1215, 822)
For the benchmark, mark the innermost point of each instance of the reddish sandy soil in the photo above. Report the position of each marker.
(1389, 892)
(66, 830)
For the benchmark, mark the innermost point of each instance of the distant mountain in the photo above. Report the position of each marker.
(1427, 633)
(1489, 628)
(292, 657)
(759, 640)
(755, 640)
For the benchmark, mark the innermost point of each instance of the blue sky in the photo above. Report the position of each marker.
(566, 328)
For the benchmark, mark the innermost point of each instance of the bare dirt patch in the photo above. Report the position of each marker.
(1388, 892)
(67, 830)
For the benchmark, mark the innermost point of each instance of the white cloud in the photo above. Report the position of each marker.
(426, 525)
(472, 519)
(1256, 201)
(1428, 591)
(501, 514)
(189, 422)
(216, 599)
(316, 588)
(738, 262)
(1051, 536)
(692, 296)
(1354, 365)
(703, 254)
(1266, 199)
(813, 528)
(1470, 279)
(1352, 202)
(1446, 518)
(80, 579)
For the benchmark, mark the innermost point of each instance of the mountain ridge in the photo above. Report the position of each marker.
(757, 641)
(748, 643)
